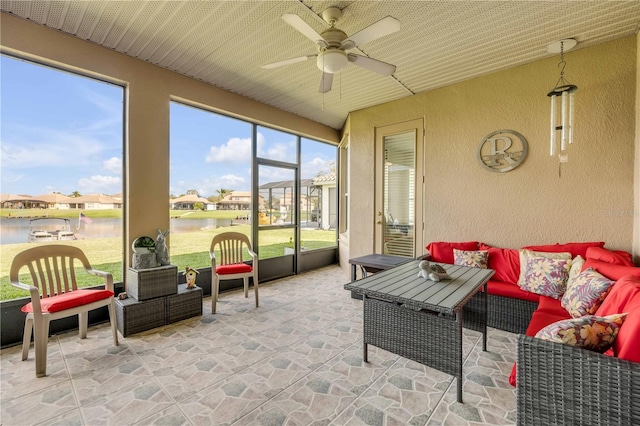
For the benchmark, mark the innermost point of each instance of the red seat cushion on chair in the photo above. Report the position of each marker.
(69, 300)
(236, 268)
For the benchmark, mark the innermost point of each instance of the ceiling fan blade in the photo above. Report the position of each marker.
(374, 65)
(383, 27)
(299, 24)
(325, 82)
(287, 62)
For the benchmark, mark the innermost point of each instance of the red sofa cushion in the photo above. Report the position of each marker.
(498, 288)
(617, 257)
(625, 297)
(610, 270)
(506, 263)
(442, 251)
(237, 268)
(539, 320)
(574, 248)
(552, 306)
(627, 344)
(69, 300)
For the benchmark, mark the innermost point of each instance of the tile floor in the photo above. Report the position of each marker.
(295, 360)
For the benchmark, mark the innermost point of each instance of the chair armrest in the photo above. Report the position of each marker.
(561, 384)
(34, 293)
(253, 255)
(108, 277)
(23, 286)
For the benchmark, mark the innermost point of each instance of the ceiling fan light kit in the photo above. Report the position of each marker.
(333, 44)
(332, 61)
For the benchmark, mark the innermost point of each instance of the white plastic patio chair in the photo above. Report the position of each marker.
(55, 294)
(230, 265)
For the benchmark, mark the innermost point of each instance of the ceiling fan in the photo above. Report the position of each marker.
(333, 43)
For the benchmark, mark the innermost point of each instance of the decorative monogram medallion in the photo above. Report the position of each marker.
(502, 150)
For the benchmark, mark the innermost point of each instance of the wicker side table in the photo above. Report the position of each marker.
(144, 284)
(134, 316)
(186, 304)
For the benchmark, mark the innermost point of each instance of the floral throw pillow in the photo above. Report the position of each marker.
(586, 292)
(472, 258)
(525, 254)
(546, 276)
(576, 268)
(588, 332)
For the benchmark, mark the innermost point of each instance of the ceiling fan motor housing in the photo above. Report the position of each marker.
(332, 58)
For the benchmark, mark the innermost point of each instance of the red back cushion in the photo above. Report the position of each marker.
(506, 263)
(237, 268)
(552, 306)
(610, 270)
(574, 248)
(625, 297)
(621, 294)
(626, 345)
(443, 251)
(69, 300)
(617, 257)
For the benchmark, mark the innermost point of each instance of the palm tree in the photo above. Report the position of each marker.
(222, 192)
(74, 194)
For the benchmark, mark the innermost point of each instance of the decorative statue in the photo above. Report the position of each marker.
(162, 252)
(424, 269)
(432, 272)
(191, 274)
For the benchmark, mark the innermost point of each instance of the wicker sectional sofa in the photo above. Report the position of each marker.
(559, 384)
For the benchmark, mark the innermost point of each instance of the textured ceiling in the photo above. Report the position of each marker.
(225, 43)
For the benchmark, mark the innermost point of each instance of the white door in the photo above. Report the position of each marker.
(399, 189)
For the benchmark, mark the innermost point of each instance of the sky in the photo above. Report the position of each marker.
(60, 132)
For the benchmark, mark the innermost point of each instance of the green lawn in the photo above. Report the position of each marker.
(186, 249)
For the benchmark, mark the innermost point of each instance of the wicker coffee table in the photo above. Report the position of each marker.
(421, 319)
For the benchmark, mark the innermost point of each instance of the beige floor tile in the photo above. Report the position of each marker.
(295, 360)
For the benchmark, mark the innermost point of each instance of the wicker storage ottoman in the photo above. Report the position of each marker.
(134, 316)
(186, 304)
(144, 284)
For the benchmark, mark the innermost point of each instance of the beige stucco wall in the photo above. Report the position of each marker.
(592, 201)
(150, 89)
(636, 212)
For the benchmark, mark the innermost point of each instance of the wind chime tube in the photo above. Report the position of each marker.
(565, 122)
(552, 148)
(571, 113)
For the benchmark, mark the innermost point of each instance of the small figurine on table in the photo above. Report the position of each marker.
(191, 274)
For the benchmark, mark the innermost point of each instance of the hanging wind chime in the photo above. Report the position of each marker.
(562, 107)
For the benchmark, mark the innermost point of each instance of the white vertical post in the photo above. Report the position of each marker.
(571, 113)
(552, 148)
(565, 122)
